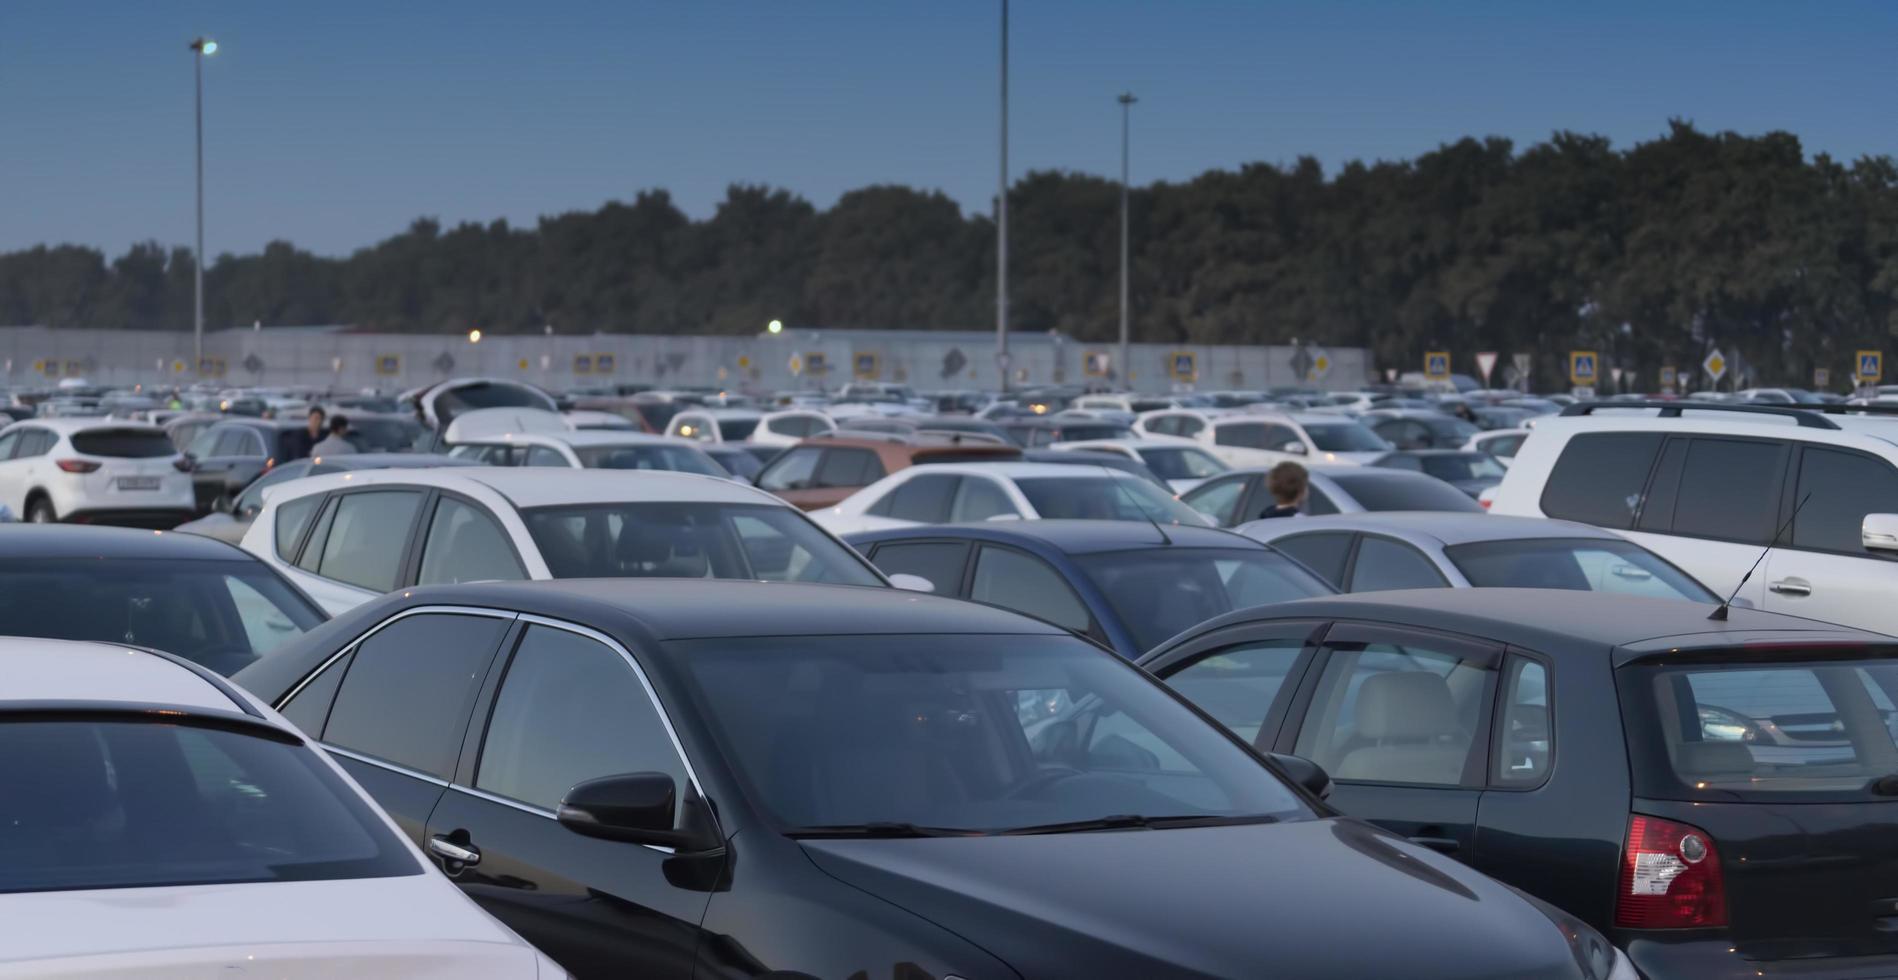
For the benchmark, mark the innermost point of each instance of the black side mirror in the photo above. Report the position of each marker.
(1302, 771)
(635, 808)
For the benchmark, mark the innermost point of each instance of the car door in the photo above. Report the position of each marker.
(464, 543)
(358, 546)
(1821, 569)
(941, 563)
(1399, 717)
(32, 464)
(570, 706)
(1712, 505)
(393, 707)
(1244, 678)
(1326, 553)
(1015, 579)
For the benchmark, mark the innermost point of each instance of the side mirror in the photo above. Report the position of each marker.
(635, 808)
(912, 583)
(1302, 771)
(1879, 532)
(1294, 447)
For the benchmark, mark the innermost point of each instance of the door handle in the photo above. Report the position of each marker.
(1791, 586)
(446, 849)
(1442, 845)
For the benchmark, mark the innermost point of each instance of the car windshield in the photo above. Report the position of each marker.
(124, 443)
(736, 430)
(1181, 463)
(1346, 438)
(738, 462)
(390, 435)
(1581, 564)
(979, 734)
(1104, 498)
(132, 804)
(1462, 466)
(649, 456)
(1161, 592)
(1402, 491)
(691, 540)
(222, 614)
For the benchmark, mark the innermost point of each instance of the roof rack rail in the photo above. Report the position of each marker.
(1805, 417)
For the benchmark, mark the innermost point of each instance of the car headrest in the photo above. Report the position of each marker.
(1406, 704)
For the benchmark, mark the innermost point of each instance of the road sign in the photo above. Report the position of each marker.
(1583, 368)
(743, 362)
(796, 364)
(604, 363)
(1437, 365)
(864, 365)
(1669, 378)
(1183, 365)
(1715, 365)
(389, 364)
(1822, 378)
(1320, 364)
(1486, 362)
(1096, 364)
(583, 363)
(1871, 366)
(815, 365)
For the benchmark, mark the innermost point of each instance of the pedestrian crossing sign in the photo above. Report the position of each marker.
(1871, 366)
(1582, 370)
(1437, 365)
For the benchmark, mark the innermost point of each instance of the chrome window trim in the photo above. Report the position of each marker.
(350, 647)
(384, 764)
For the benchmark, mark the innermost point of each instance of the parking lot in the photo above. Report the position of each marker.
(479, 679)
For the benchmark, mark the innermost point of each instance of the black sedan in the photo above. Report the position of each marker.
(1716, 795)
(735, 779)
(1126, 585)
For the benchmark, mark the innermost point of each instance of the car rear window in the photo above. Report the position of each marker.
(134, 804)
(124, 443)
(1744, 727)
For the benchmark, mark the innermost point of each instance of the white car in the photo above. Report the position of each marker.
(1709, 485)
(1243, 439)
(1502, 444)
(592, 449)
(941, 493)
(346, 538)
(1182, 463)
(743, 425)
(94, 470)
(165, 824)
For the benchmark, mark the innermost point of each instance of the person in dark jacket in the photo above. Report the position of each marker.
(307, 438)
(1288, 483)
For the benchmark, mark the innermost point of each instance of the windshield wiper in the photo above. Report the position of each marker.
(1135, 821)
(879, 829)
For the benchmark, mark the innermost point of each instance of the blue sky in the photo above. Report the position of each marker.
(334, 124)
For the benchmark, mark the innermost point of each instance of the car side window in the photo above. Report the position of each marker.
(1410, 463)
(940, 562)
(1014, 580)
(464, 544)
(1188, 426)
(1844, 487)
(1218, 499)
(980, 498)
(1384, 564)
(543, 456)
(1324, 552)
(1239, 685)
(1396, 713)
(366, 537)
(7, 444)
(849, 468)
(792, 471)
(1318, 503)
(1600, 478)
(1729, 490)
(1505, 446)
(923, 499)
(1166, 425)
(33, 442)
(570, 709)
(1524, 736)
(409, 688)
(292, 517)
(232, 442)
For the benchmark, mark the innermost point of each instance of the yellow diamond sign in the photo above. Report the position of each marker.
(1715, 365)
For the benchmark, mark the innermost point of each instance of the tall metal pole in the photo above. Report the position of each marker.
(1001, 224)
(197, 297)
(1126, 107)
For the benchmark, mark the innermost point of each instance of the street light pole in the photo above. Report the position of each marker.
(199, 48)
(1126, 108)
(1001, 224)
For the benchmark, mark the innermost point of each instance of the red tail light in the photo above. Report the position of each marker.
(1484, 503)
(76, 465)
(1670, 878)
(182, 464)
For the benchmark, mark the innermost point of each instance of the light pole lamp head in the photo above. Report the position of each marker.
(1127, 98)
(204, 45)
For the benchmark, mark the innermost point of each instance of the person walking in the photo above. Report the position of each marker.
(308, 437)
(335, 444)
(1289, 484)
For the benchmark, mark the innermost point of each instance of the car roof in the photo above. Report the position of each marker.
(1553, 621)
(112, 544)
(389, 461)
(67, 425)
(40, 669)
(529, 486)
(1435, 452)
(1442, 527)
(1074, 537)
(723, 414)
(1027, 471)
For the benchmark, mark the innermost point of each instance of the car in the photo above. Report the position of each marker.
(1125, 585)
(1501, 444)
(1709, 486)
(1238, 497)
(1397, 550)
(1269, 438)
(741, 459)
(161, 822)
(202, 600)
(744, 779)
(1421, 428)
(925, 425)
(228, 455)
(1131, 403)
(823, 471)
(1059, 456)
(230, 526)
(439, 404)
(1182, 463)
(734, 424)
(1037, 432)
(1468, 471)
(942, 493)
(1706, 791)
(182, 427)
(593, 449)
(375, 432)
(347, 537)
(94, 471)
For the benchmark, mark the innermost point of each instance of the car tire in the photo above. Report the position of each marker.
(40, 511)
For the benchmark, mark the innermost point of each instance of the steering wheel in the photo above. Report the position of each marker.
(1040, 781)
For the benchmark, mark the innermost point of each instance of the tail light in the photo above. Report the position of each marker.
(1484, 502)
(1670, 878)
(182, 464)
(76, 465)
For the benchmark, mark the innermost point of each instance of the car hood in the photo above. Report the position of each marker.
(1329, 898)
(347, 918)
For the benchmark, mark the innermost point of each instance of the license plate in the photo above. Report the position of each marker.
(138, 483)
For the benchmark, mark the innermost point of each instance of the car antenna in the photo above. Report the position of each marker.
(1115, 480)
(1720, 613)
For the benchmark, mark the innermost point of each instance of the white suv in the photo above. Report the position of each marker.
(94, 470)
(1707, 486)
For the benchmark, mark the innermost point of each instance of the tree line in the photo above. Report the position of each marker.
(1652, 255)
